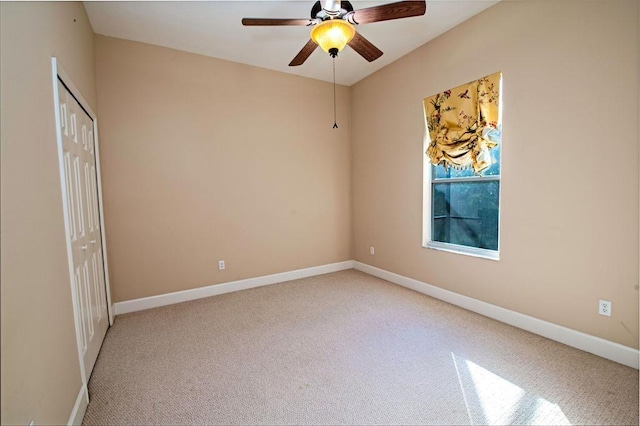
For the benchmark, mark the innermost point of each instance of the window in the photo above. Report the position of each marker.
(462, 170)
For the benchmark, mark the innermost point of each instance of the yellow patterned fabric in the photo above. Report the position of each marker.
(463, 124)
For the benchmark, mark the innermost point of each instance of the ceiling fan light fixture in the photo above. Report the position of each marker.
(332, 35)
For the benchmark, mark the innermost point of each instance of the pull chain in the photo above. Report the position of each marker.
(335, 122)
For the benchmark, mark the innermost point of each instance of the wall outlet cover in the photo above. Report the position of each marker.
(604, 307)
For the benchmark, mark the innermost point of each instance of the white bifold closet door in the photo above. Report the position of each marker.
(89, 298)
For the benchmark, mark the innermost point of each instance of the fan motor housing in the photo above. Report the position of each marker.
(317, 12)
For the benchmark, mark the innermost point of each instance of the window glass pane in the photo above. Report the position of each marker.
(494, 169)
(466, 213)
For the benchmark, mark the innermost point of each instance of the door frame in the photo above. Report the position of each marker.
(58, 73)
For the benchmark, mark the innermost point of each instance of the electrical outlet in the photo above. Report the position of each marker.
(604, 308)
(220, 265)
(372, 250)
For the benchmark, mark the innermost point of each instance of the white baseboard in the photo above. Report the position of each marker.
(595, 345)
(79, 408)
(216, 289)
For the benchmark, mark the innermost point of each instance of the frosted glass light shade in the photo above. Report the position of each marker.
(332, 34)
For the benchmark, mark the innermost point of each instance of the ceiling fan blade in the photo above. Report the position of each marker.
(302, 56)
(365, 48)
(386, 12)
(272, 22)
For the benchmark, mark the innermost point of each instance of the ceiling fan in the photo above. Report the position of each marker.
(333, 26)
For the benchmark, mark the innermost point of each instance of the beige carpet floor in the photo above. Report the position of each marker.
(345, 348)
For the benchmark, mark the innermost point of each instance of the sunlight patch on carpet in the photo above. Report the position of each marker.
(492, 399)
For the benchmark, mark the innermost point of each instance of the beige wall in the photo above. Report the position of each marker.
(204, 159)
(40, 368)
(569, 202)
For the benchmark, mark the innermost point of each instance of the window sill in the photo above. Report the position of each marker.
(468, 251)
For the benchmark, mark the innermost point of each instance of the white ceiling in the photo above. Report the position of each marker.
(213, 28)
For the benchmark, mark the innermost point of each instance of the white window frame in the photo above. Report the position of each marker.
(427, 213)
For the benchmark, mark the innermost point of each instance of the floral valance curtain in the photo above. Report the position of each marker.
(463, 124)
